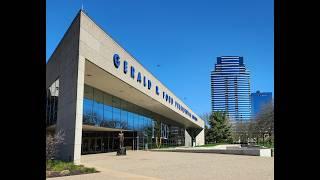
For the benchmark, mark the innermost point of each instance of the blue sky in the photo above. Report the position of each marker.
(183, 37)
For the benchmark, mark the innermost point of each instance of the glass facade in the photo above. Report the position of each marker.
(104, 110)
(52, 103)
(258, 100)
(230, 88)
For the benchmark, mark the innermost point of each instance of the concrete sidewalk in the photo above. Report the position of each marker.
(175, 166)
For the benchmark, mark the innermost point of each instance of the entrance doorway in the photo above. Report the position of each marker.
(100, 142)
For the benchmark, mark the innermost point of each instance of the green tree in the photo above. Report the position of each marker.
(207, 134)
(220, 128)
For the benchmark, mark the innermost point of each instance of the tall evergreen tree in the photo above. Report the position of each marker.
(220, 129)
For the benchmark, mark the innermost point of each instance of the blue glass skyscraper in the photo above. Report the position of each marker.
(230, 88)
(259, 99)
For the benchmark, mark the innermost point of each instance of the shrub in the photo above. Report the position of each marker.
(52, 141)
(58, 166)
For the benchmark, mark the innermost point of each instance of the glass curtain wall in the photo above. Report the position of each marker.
(104, 110)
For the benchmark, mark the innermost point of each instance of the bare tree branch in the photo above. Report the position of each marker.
(52, 141)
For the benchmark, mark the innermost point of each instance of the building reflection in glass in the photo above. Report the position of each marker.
(104, 110)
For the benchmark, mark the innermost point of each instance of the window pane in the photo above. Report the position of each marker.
(136, 122)
(124, 119)
(107, 119)
(87, 107)
(130, 121)
(116, 119)
(88, 92)
(141, 123)
(116, 104)
(124, 115)
(107, 114)
(152, 124)
(107, 101)
(98, 106)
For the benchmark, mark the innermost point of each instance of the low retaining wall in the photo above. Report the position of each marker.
(250, 152)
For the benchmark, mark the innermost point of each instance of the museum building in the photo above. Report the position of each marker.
(96, 89)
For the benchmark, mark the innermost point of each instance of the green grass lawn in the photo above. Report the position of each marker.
(58, 166)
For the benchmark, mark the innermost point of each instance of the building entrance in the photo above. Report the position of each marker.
(100, 142)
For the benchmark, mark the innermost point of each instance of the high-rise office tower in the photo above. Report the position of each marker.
(230, 88)
(258, 100)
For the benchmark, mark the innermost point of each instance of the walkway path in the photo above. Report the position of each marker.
(173, 165)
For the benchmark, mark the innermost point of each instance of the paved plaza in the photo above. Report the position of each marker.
(176, 165)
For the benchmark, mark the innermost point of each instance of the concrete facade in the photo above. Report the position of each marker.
(85, 56)
(64, 64)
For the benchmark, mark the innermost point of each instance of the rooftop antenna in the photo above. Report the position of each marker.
(82, 5)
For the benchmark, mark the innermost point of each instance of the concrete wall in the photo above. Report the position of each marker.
(200, 138)
(237, 151)
(85, 40)
(187, 139)
(98, 47)
(64, 64)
